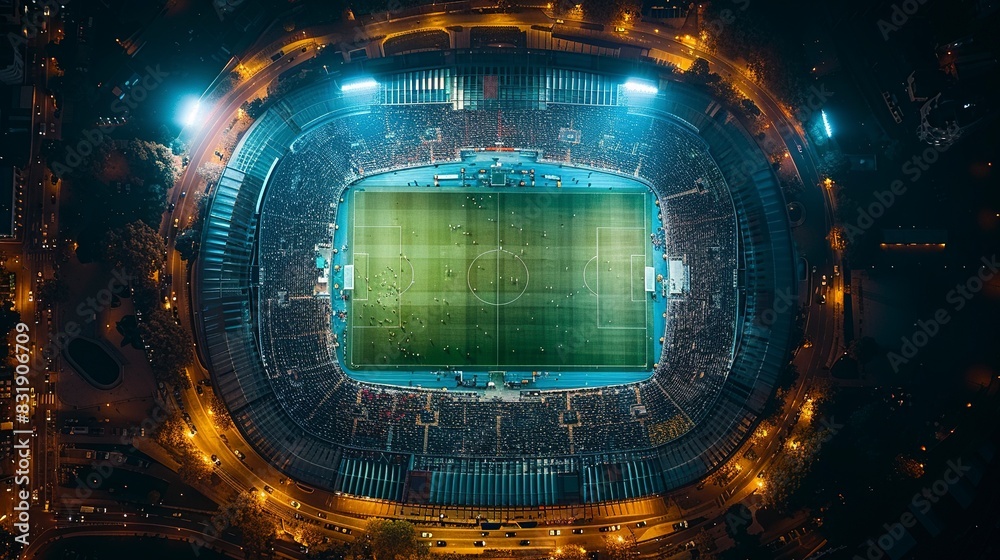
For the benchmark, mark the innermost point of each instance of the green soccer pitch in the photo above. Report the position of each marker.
(486, 280)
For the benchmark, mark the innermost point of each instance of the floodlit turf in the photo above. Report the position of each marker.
(490, 279)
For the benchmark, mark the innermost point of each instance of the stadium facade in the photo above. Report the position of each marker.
(272, 355)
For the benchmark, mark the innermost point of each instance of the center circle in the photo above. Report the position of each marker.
(497, 277)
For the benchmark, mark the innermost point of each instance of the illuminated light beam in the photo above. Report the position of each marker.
(190, 111)
(826, 124)
(635, 86)
(359, 85)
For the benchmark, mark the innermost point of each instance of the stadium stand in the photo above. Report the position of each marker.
(416, 41)
(508, 37)
(270, 347)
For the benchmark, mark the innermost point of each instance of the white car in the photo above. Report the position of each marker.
(554, 532)
(426, 535)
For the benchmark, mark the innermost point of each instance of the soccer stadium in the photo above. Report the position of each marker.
(460, 278)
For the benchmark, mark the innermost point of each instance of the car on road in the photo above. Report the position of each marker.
(822, 281)
(268, 489)
(525, 542)
(680, 525)
(480, 544)
(426, 535)
(215, 459)
(509, 534)
(441, 543)
(320, 515)
(640, 524)
(239, 454)
(836, 270)
(822, 299)
(295, 504)
(577, 531)
(298, 516)
(554, 532)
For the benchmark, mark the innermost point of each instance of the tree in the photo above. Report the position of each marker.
(169, 347)
(772, 56)
(210, 171)
(308, 536)
(387, 539)
(569, 552)
(174, 435)
(610, 11)
(193, 467)
(621, 547)
(226, 85)
(699, 68)
(254, 108)
(220, 415)
(748, 547)
(188, 242)
(136, 249)
(245, 513)
(151, 162)
(750, 108)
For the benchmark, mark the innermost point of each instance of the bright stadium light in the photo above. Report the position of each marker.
(826, 124)
(190, 110)
(359, 85)
(636, 86)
